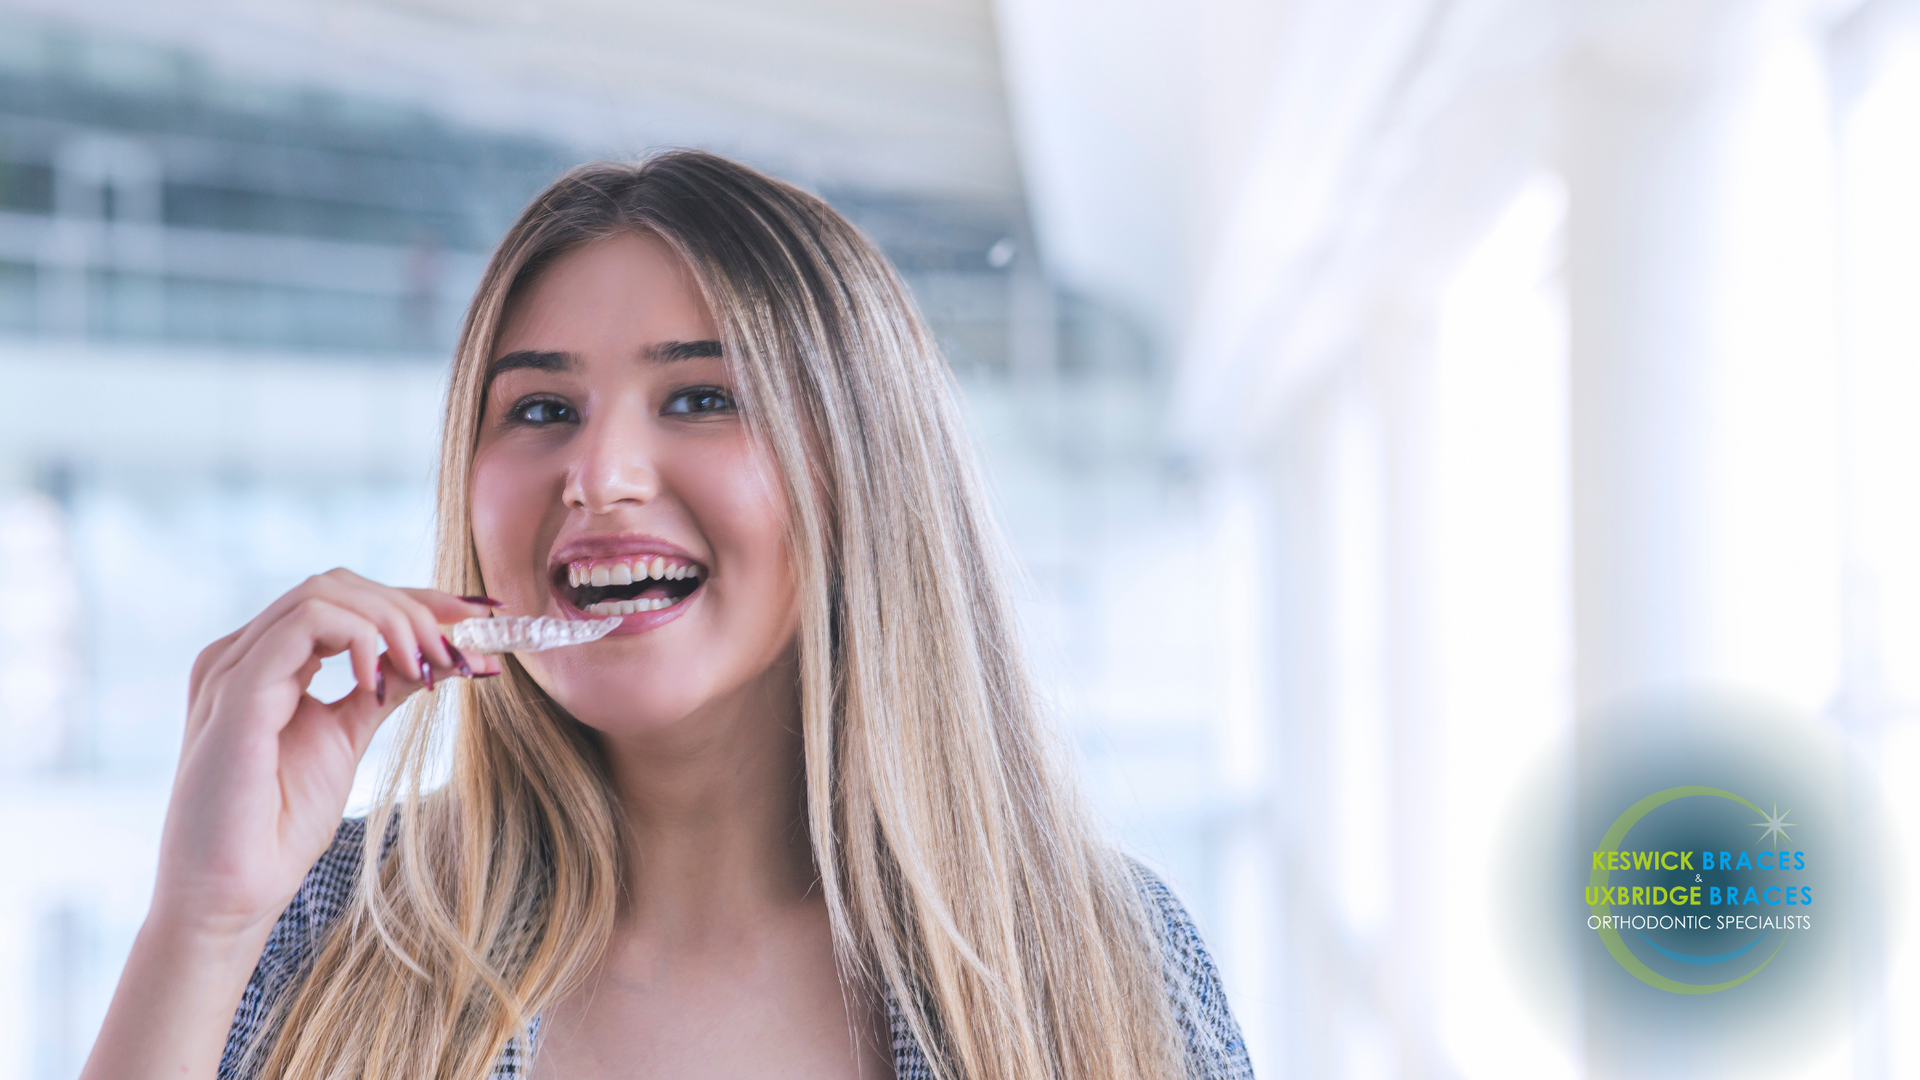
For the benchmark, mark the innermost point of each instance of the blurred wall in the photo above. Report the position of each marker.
(1557, 344)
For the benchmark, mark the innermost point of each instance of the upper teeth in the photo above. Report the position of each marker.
(599, 574)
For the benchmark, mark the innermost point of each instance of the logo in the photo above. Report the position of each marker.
(1692, 896)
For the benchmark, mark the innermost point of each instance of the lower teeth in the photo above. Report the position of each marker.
(629, 607)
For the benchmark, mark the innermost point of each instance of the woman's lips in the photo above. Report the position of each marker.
(645, 580)
(625, 546)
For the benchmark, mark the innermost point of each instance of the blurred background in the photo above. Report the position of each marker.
(1477, 366)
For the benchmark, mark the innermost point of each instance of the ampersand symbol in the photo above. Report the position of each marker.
(1696, 877)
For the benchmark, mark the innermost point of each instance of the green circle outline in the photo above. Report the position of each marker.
(1610, 936)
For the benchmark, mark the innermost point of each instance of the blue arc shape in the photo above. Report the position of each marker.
(1685, 959)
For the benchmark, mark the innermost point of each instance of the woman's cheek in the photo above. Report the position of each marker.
(755, 541)
(507, 518)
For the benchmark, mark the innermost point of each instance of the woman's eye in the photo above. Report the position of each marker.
(698, 401)
(542, 411)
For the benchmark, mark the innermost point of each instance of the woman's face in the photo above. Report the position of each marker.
(614, 475)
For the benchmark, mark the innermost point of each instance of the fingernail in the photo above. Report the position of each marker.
(379, 686)
(459, 661)
(426, 672)
(488, 601)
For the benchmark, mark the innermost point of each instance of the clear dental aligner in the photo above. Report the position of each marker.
(526, 633)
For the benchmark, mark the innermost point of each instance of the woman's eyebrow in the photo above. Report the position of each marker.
(666, 352)
(530, 358)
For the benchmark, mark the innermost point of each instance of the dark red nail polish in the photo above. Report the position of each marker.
(426, 671)
(379, 686)
(486, 600)
(459, 662)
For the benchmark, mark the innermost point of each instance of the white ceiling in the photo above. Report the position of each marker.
(889, 95)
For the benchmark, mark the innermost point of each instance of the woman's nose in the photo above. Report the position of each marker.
(613, 465)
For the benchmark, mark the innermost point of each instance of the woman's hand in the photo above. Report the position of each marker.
(265, 770)
(265, 767)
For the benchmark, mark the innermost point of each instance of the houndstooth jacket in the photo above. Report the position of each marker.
(1215, 1050)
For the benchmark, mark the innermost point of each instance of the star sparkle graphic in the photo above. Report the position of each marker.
(1776, 826)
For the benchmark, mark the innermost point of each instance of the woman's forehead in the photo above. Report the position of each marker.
(623, 293)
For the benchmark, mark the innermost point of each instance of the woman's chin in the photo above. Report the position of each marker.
(627, 704)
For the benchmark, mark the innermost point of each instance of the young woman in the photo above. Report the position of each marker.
(798, 815)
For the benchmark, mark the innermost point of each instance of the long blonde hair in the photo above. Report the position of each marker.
(963, 877)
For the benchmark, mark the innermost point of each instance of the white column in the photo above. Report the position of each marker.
(1640, 143)
(1704, 454)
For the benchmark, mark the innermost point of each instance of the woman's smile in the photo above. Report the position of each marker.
(644, 578)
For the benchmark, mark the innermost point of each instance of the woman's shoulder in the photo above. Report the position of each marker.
(295, 940)
(1215, 1048)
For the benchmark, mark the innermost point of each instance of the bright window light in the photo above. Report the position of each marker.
(1880, 232)
(1362, 768)
(1501, 601)
(1880, 188)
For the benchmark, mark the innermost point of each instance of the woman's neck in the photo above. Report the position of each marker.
(716, 812)
(722, 961)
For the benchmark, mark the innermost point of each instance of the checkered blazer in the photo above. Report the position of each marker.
(1215, 1050)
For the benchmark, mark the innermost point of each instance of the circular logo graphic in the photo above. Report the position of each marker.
(1682, 875)
(1706, 915)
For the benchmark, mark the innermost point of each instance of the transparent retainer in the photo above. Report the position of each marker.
(527, 633)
